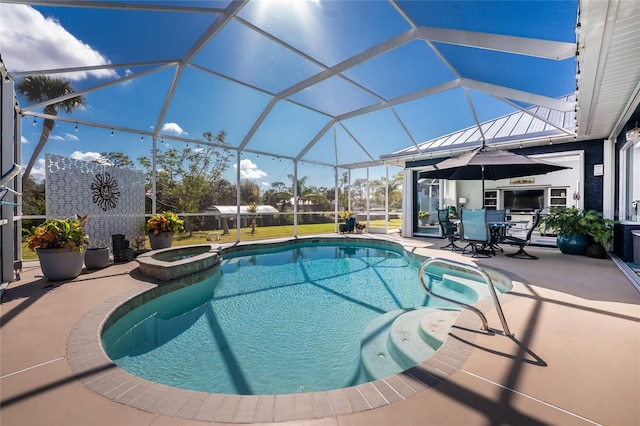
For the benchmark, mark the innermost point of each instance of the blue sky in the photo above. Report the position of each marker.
(218, 91)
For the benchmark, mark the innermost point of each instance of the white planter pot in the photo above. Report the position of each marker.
(61, 264)
(96, 258)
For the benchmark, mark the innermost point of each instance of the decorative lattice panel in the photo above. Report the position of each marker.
(113, 197)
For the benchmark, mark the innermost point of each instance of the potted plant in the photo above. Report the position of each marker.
(423, 217)
(349, 221)
(347, 214)
(161, 228)
(138, 243)
(576, 229)
(59, 244)
(96, 257)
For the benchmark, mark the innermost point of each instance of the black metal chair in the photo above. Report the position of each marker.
(449, 230)
(475, 232)
(497, 232)
(522, 243)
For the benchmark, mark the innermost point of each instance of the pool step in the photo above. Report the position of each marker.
(415, 335)
(434, 327)
(376, 359)
(400, 339)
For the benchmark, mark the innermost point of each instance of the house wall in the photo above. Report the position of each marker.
(622, 236)
(9, 154)
(593, 155)
(591, 185)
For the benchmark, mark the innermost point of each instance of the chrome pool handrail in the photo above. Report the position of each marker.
(472, 268)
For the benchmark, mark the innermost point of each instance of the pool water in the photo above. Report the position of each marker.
(270, 322)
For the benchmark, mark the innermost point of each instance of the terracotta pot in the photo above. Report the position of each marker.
(161, 240)
(61, 264)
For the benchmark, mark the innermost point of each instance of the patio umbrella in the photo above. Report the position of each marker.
(486, 163)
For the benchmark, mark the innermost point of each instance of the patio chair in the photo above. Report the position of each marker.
(523, 242)
(497, 232)
(475, 231)
(449, 230)
(496, 215)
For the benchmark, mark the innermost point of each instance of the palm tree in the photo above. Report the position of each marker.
(302, 190)
(41, 88)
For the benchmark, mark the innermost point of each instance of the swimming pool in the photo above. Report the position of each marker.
(287, 319)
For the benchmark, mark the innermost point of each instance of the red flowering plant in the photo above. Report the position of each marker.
(59, 233)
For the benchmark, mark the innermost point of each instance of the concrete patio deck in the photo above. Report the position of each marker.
(575, 357)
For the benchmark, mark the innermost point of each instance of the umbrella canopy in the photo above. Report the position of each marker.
(485, 163)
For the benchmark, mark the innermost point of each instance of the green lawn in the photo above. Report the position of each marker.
(261, 233)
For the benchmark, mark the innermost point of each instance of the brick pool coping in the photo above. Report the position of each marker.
(88, 361)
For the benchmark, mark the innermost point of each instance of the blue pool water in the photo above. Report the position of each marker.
(269, 322)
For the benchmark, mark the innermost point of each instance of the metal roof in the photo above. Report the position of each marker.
(537, 123)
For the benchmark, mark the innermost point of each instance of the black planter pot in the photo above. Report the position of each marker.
(596, 251)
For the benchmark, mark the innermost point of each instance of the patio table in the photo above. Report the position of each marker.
(498, 231)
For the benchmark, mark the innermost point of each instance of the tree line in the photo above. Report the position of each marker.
(190, 180)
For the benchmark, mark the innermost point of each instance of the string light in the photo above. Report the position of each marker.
(141, 138)
(76, 129)
(34, 121)
(111, 132)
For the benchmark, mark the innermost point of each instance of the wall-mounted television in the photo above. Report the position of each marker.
(523, 200)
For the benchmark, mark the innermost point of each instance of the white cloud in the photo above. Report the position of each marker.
(65, 137)
(31, 41)
(128, 73)
(250, 170)
(85, 156)
(23, 139)
(173, 128)
(37, 172)
(71, 137)
(265, 184)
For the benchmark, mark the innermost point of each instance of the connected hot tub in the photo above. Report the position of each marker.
(177, 262)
